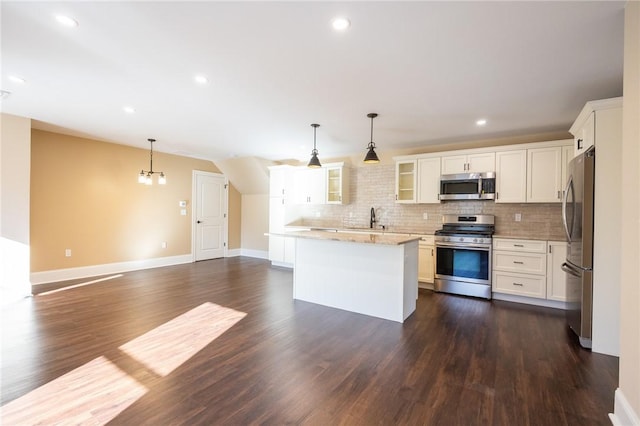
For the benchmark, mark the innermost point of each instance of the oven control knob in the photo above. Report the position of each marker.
(475, 240)
(461, 239)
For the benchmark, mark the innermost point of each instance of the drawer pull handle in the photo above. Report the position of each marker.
(518, 245)
(519, 284)
(517, 262)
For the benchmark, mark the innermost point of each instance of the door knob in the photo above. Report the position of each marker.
(198, 221)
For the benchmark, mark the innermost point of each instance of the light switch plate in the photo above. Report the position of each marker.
(182, 203)
(425, 216)
(183, 212)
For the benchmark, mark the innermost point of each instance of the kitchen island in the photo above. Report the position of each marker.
(371, 274)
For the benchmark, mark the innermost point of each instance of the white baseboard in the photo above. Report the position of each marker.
(530, 301)
(258, 254)
(623, 414)
(56, 275)
(234, 253)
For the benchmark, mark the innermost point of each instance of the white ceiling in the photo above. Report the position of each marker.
(429, 69)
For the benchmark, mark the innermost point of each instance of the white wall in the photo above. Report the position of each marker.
(15, 172)
(627, 398)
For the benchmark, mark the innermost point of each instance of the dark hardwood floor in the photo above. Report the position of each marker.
(455, 361)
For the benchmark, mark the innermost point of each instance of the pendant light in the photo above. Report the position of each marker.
(145, 175)
(314, 163)
(371, 157)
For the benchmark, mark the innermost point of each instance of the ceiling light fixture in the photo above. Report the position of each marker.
(145, 175)
(371, 157)
(201, 79)
(66, 21)
(4, 94)
(129, 110)
(481, 122)
(340, 23)
(314, 162)
(17, 79)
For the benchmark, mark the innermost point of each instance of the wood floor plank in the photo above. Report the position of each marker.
(268, 359)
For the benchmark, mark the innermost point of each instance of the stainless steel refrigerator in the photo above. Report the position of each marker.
(577, 217)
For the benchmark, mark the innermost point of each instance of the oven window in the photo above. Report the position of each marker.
(463, 263)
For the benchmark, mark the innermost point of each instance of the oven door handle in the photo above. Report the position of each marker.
(464, 246)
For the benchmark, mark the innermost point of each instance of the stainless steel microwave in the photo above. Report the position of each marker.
(468, 186)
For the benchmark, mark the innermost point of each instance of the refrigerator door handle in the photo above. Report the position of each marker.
(569, 270)
(564, 207)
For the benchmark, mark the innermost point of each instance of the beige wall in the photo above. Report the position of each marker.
(255, 222)
(85, 197)
(630, 216)
(15, 147)
(235, 218)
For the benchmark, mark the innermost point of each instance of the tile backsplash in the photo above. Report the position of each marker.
(374, 186)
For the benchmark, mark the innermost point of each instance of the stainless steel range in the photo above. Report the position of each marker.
(463, 255)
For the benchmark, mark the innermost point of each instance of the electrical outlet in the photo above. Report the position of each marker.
(183, 212)
(163, 244)
(425, 216)
(518, 217)
(67, 252)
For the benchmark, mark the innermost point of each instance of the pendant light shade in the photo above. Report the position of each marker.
(145, 176)
(371, 157)
(314, 162)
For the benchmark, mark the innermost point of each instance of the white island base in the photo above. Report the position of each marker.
(370, 278)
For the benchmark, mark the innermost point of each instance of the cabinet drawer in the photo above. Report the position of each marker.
(526, 263)
(531, 246)
(519, 284)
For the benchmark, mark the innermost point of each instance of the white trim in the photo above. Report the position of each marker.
(623, 414)
(56, 275)
(234, 253)
(281, 264)
(258, 254)
(531, 301)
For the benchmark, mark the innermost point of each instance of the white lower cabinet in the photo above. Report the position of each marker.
(529, 268)
(426, 267)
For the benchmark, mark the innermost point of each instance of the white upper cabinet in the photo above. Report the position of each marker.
(511, 176)
(337, 185)
(478, 163)
(544, 175)
(429, 180)
(278, 181)
(584, 136)
(309, 185)
(567, 156)
(406, 177)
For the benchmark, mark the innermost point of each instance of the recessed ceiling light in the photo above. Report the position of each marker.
(340, 23)
(4, 94)
(201, 79)
(66, 21)
(481, 122)
(129, 110)
(17, 79)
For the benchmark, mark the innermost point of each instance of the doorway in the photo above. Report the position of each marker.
(209, 214)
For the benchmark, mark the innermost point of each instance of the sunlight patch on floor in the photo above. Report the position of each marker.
(92, 394)
(96, 392)
(168, 346)
(44, 293)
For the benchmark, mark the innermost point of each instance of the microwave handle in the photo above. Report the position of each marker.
(479, 186)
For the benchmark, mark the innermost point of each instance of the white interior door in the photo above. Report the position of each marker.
(210, 215)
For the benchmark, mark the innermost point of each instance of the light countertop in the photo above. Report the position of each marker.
(353, 237)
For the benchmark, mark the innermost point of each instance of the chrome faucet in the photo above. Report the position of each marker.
(373, 218)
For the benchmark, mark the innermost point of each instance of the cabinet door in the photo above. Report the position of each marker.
(276, 248)
(480, 163)
(429, 180)
(337, 184)
(276, 214)
(556, 277)
(406, 181)
(426, 268)
(454, 164)
(511, 176)
(309, 186)
(277, 181)
(544, 175)
(586, 136)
